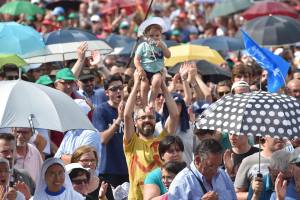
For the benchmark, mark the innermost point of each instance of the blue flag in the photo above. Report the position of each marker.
(276, 66)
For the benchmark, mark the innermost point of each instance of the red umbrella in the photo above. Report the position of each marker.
(129, 5)
(269, 8)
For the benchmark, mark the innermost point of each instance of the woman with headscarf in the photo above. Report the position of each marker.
(54, 183)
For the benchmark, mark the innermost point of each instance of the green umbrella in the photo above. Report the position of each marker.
(11, 59)
(228, 7)
(20, 7)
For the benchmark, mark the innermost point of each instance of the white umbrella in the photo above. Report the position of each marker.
(26, 104)
(65, 51)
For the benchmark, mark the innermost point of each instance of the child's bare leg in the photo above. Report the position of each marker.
(155, 85)
(144, 91)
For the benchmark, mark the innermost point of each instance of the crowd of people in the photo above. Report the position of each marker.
(147, 143)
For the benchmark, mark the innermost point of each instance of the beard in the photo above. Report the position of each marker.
(146, 130)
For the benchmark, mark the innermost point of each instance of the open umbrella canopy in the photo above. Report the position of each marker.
(228, 7)
(48, 108)
(66, 4)
(273, 30)
(62, 45)
(188, 52)
(19, 39)
(266, 8)
(257, 113)
(20, 7)
(210, 72)
(221, 43)
(11, 59)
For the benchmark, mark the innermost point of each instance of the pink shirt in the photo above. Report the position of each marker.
(32, 163)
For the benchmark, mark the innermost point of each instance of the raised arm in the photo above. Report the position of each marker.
(173, 119)
(129, 108)
(183, 71)
(76, 69)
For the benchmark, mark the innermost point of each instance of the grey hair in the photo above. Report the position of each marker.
(280, 160)
(4, 160)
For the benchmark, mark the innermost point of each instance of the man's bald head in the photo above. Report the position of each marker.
(293, 88)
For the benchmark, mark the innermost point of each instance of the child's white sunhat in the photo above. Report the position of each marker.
(150, 21)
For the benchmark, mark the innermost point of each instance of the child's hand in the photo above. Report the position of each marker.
(160, 44)
(142, 73)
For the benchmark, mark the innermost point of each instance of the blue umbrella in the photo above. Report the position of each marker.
(19, 39)
(62, 45)
(221, 43)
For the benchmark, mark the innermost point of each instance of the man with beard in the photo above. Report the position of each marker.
(108, 119)
(293, 88)
(140, 145)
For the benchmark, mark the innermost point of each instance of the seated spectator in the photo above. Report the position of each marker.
(170, 149)
(203, 179)
(87, 157)
(81, 181)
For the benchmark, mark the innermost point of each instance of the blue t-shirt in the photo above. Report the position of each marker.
(151, 56)
(112, 155)
(155, 177)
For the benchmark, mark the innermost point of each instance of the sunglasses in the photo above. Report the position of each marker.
(116, 88)
(79, 181)
(12, 77)
(223, 93)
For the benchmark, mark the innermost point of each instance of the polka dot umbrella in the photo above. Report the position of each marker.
(258, 113)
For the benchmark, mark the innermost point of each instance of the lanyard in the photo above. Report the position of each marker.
(200, 182)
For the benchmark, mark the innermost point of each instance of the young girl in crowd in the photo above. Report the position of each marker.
(149, 58)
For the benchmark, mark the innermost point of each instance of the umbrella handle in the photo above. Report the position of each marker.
(30, 120)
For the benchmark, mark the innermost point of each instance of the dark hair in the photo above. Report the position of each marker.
(174, 166)
(208, 146)
(184, 116)
(166, 143)
(111, 79)
(78, 172)
(203, 131)
(7, 137)
(9, 68)
(155, 26)
(241, 69)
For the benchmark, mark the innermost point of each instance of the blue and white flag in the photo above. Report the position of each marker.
(276, 66)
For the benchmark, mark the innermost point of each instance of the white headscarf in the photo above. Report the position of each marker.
(40, 192)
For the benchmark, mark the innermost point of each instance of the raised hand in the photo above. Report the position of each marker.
(228, 162)
(280, 187)
(102, 190)
(95, 59)
(81, 51)
(22, 187)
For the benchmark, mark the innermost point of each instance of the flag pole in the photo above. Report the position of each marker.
(138, 38)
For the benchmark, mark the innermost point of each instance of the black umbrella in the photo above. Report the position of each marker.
(256, 113)
(67, 5)
(209, 71)
(273, 30)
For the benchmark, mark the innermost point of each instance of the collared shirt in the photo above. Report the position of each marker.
(98, 97)
(76, 138)
(32, 162)
(185, 186)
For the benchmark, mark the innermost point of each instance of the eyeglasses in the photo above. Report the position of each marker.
(80, 181)
(116, 88)
(151, 117)
(87, 161)
(223, 93)
(88, 80)
(12, 77)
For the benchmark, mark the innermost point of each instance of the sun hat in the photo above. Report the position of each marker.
(65, 74)
(150, 21)
(239, 84)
